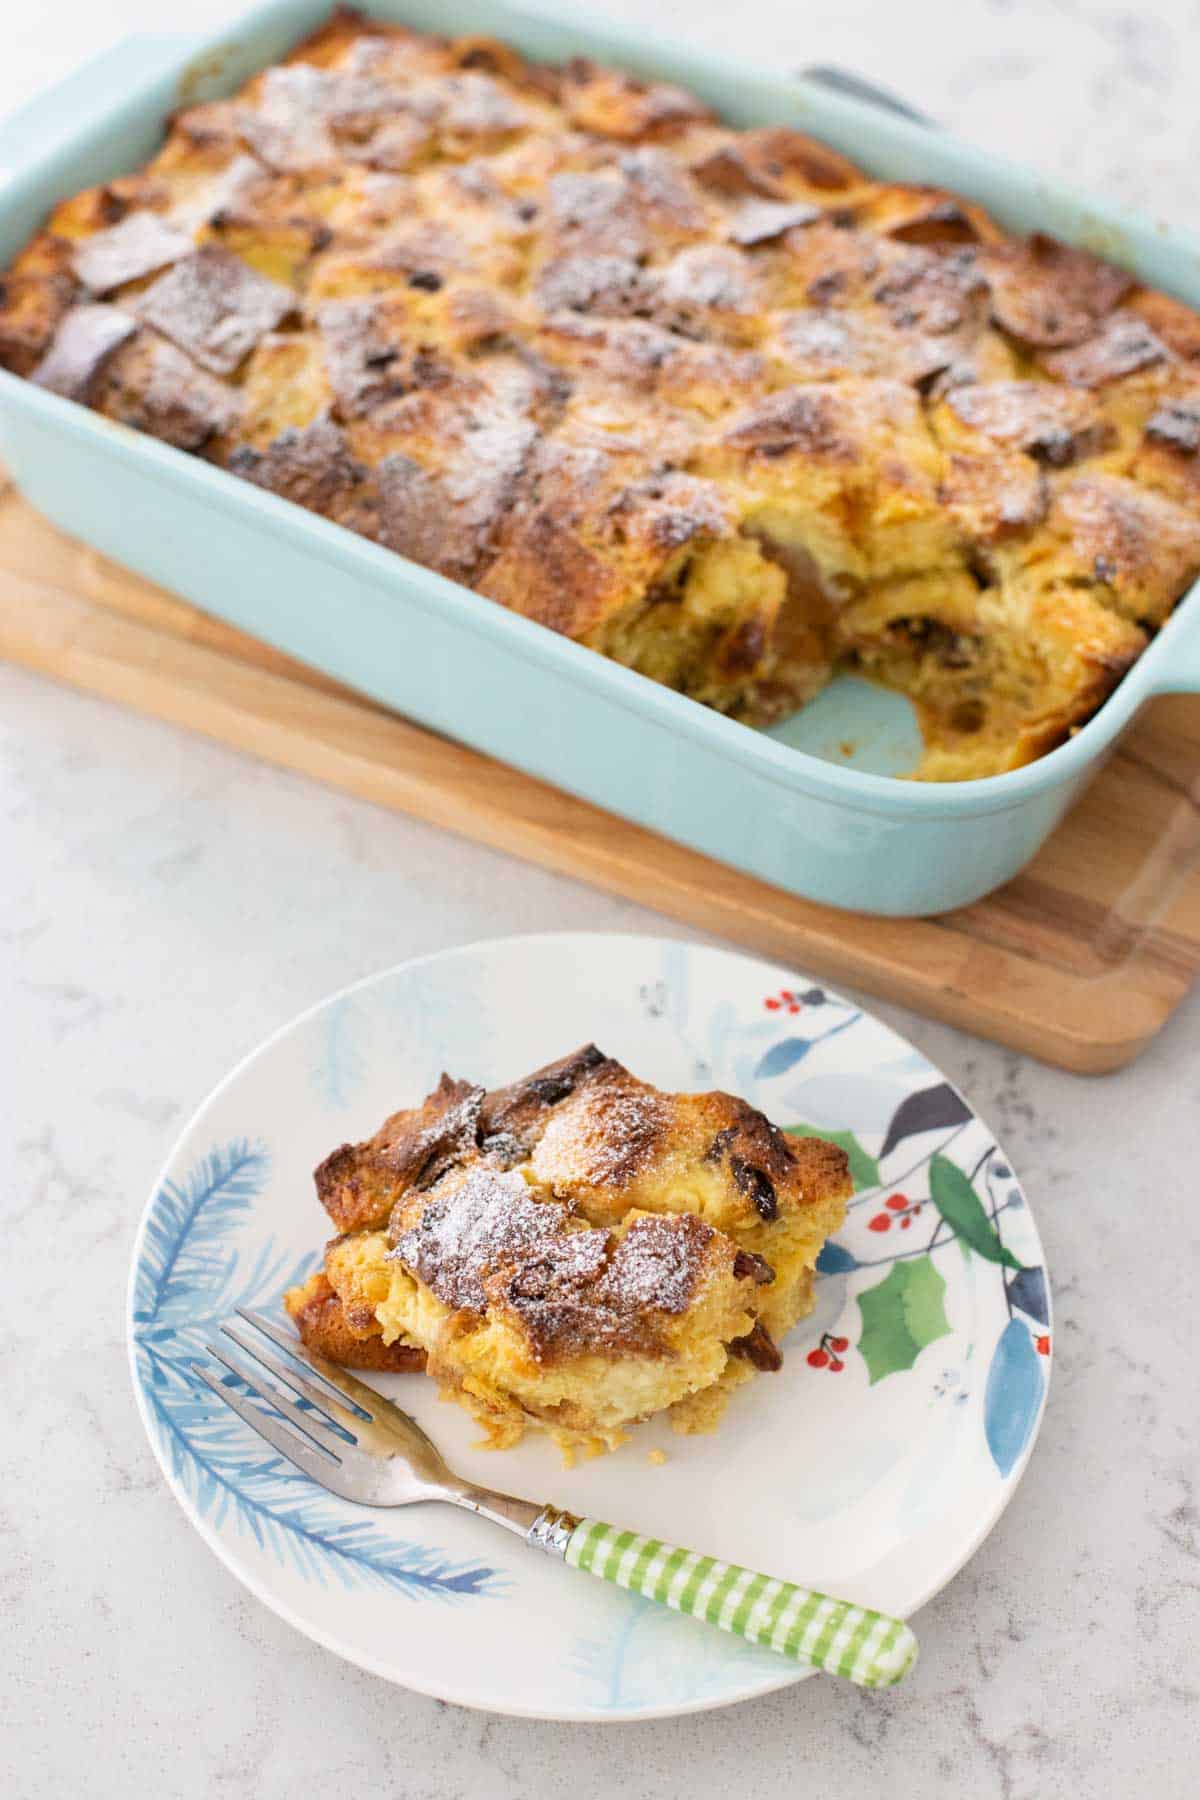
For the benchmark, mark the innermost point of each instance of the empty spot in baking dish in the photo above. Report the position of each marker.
(856, 724)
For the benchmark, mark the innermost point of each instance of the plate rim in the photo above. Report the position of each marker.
(251, 1581)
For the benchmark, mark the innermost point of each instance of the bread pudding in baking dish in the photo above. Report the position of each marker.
(712, 402)
(575, 1253)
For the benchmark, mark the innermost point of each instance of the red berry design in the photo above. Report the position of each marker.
(881, 1222)
(1043, 1344)
(906, 1221)
(772, 1005)
(828, 1354)
(897, 1202)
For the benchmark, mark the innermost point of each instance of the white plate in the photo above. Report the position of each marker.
(875, 1481)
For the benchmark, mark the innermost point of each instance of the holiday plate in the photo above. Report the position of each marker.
(871, 1466)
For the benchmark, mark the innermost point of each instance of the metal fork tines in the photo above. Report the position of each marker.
(368, 1450)
(315, 1445)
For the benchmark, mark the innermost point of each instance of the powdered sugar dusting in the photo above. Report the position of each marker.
(586, 283)
(488, 1243)
(495, 449)
(84, 342)
(312, 466)
(658, 1262)
(288, 129)
(472, 105)
(593, 212)
(485, 1223)
(215, 307)
(656, 182)
(757, 221)
(139, 245)
(709, 276)
(363, 353)
(609, 1134)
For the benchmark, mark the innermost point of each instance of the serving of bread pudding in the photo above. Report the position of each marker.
(576, 1252)
(712, 402)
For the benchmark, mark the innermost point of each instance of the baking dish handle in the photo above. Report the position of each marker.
(846, 81)
(57, 112)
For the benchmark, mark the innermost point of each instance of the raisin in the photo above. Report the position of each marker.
(756, 1186)
(746, 1263)
(758, 1347)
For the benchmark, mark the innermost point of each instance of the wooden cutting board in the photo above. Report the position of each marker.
(1079, 961)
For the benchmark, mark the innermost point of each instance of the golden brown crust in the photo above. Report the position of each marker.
(152, 386)
(1056, 426)
(1122, 345)
(1049, 295)
(615, 105)
(320, 1318)
(701, 399)
(312, 465)
(359, 1184)
(1176, 324)
(993, 497)
(35, 295)
(580, 1249)
(585, 1126)
(1133, 548)
(518, 1113)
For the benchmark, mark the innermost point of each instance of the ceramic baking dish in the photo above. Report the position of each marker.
(769, 803)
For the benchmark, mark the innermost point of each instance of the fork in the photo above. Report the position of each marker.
(370, 1452)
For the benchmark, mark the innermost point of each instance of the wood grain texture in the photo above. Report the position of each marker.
(1079, 961)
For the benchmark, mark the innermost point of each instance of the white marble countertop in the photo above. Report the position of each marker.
(164, 904)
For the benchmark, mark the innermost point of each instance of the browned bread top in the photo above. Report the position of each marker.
(584, 1125)
(578, 1247)
(486, 1243)
(715, 403)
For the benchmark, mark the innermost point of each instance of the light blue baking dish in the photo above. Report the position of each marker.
(772, 804)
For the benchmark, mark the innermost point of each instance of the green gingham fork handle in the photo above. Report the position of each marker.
(863, 1646)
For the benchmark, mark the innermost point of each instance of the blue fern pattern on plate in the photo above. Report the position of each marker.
(190, 1276)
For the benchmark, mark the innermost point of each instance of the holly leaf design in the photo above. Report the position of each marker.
(864, 1170)
(901, 1316)
(963, 1211)
(1028, 1291)
(1013, 1395)
(930, 1109)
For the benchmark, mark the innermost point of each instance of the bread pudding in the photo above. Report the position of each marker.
(714, 403)
(575, 1253)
